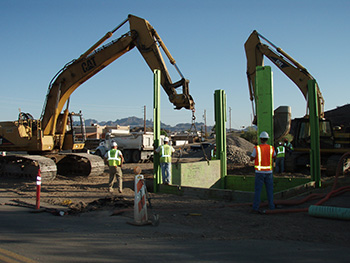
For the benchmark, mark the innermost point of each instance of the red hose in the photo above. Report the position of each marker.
(333, 192)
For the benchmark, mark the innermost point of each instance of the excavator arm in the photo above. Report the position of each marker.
(256, 50)
(144, 37)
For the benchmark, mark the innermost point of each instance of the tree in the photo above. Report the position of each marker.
(163, 132)
(250, 135)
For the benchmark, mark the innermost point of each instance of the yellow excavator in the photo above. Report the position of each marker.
(299, 128)
(45, 140)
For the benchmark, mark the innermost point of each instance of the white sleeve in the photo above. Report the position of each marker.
(253, 153)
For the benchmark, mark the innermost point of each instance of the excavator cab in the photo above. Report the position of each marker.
(301, 132)
(74, 131)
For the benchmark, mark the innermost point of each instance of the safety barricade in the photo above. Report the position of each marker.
(38, 190)
(140, 205)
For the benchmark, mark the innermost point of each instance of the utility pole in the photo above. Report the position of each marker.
(229, 108)
(205, 123)
(144, 119)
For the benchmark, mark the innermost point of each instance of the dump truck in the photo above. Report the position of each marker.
(136, 147)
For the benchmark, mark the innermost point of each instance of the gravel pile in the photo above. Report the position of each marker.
(238, 150)
(237, 155)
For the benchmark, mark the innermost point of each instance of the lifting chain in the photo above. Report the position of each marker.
(193, 124)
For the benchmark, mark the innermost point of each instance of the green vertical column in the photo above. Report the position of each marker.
(315, 158)
(220, 129)
(264, 101)
(156, 130)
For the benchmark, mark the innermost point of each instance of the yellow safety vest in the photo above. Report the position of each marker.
(165, 153)
(114, 157)
(280, 151)
(213, 154)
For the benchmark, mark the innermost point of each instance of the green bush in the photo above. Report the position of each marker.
(163, 132)
(251, 136)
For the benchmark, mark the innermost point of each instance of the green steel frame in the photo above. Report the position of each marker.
(156, 128)
(220, 129)
(315, 157)
(264, 101)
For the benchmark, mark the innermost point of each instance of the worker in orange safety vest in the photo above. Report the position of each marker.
(263, 155)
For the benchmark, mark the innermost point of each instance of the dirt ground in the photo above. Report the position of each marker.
(210, 219)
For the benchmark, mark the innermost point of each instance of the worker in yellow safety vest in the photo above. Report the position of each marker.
(263, 155)
(213, 153)
(165, 152)
(288, 146)
(115, 162)
(280, 155)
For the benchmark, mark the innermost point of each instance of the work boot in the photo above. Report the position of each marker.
(259, 211)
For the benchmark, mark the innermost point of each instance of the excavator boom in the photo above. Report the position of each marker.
(144, 37)
(256, 50)
(331, 150)
(54, 133)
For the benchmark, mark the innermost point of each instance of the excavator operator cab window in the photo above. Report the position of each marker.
(304, 134)
(79, 132)
(325, 132)
(325, 129)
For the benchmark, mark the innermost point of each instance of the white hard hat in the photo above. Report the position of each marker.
(166, 139)
(264, 135)
(114, 144)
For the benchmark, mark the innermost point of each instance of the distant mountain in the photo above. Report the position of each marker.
(138, 122)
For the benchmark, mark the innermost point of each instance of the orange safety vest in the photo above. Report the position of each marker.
(263, 158)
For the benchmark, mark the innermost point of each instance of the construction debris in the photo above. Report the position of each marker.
(112, 202)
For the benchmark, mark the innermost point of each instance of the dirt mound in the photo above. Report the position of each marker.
(238, 150)
(236, 155)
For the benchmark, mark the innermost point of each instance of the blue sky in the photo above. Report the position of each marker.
(205, 37)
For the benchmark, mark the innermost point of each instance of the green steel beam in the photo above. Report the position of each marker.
(264, 101)
(315, 158)
(220, 129)
(156, 128)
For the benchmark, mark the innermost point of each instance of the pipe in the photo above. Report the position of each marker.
(333, 192)
(330, 212)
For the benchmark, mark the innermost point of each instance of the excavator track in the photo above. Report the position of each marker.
(28, 166)
(68, 164)
(80, 164)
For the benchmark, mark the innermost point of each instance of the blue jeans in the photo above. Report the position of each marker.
(260, 180)
(166, 172)
(280, 165)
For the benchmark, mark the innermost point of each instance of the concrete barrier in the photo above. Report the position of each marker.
(198, 174)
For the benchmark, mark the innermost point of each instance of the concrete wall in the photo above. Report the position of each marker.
(199, 174)
(202, 179)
